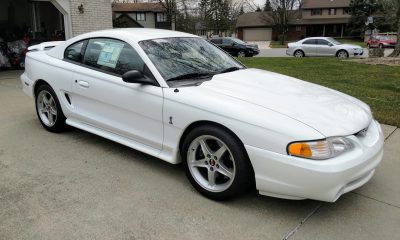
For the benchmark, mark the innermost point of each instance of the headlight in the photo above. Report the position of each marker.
(320, 149)
(357, 49)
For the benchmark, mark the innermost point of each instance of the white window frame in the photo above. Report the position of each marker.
(140, 16)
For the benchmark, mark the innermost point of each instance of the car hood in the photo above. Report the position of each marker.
(330, 112)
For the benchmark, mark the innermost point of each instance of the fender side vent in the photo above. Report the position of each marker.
(67, 97)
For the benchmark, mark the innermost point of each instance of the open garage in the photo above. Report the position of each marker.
(39, 20)
(28, 22)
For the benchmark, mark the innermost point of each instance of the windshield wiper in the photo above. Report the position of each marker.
(191, 75)
(231, 69)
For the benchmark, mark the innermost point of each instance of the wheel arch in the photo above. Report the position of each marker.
(37, 84)
(199, 123)
(342, 49)
(299, 49)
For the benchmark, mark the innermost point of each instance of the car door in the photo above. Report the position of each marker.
(310, 47)
(374, 42)
(103, 100)
(325, 48)
(228, 46)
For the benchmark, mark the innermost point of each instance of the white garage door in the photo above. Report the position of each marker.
(257, 34)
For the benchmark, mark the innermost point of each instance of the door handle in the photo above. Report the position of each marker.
(83, 83)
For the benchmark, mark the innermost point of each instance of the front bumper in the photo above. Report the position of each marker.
(289, 177)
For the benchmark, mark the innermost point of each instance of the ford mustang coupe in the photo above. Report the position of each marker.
(179, 98)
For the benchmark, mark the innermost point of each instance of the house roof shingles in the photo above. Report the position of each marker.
(138, 7)
(307, 4)
(254, 19)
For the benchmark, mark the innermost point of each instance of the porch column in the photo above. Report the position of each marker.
(341, 34)
(323, 32)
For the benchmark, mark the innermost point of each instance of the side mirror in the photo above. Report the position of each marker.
(233, 44)
(135, 76)
(330, 44)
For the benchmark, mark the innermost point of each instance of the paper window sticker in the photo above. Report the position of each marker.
(109, 55)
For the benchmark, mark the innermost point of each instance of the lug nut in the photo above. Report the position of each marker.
(208, 155)
(211, 169)
(217, 166)
(206, 163)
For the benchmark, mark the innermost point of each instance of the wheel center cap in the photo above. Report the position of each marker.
(212, 162)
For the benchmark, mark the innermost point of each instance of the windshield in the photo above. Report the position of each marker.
(175, 57)
(334, 41)
(238, 41)
(383, 38)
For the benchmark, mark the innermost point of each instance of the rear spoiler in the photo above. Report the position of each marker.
(44, 46)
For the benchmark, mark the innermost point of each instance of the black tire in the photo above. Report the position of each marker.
(298, 53)
(344, 52)
(59, 122)
(241, 53)
(243, 179)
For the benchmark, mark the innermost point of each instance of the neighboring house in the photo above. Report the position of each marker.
(143, 14)
(314, 18)
(44, 18)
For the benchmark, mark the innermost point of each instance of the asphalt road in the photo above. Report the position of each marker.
(76, 185)
(281, 52)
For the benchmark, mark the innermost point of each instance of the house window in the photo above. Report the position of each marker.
(332, 11)
(162, 17)
(317, 11)
(140, 16)
(298, 28)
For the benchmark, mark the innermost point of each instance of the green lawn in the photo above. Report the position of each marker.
(378, 86)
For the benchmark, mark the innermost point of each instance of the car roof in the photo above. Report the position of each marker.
(136, 34)
(310, 38)
(129, 35)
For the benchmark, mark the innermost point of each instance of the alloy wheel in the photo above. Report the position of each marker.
(342, 54)
(299, 54)
(47, 108)
(241, 54)
(211, 163)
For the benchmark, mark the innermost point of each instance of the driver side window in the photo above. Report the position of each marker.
(113, 56)
(226, 41)
(322, 42)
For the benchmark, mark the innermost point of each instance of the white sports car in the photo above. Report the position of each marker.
(179, 98)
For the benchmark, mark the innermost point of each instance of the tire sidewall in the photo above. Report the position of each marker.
(59, 125)
(244, 175)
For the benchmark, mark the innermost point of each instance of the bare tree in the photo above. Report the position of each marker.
(283, 11)
(396, 6)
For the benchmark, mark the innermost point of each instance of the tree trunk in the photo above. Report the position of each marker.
(396, 51)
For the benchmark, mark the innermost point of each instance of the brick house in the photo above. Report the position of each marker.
(142, 14)
(313, 18)
(45, 18)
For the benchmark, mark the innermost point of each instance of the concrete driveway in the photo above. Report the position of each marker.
(76, 185)
(281, 52)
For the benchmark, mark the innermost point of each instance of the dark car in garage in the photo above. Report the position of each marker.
(236, 47)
